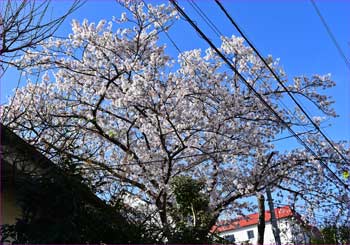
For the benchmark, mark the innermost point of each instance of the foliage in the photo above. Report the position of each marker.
(191, 214)
(333, 234)
(59, 209)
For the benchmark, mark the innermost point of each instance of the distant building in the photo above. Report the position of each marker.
(245, 231)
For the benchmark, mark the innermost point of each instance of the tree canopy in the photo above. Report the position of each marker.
(132, 118)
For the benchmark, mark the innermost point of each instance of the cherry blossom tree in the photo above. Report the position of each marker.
(132, 118)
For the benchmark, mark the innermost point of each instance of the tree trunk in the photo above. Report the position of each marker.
(261, 224)
(161, 205)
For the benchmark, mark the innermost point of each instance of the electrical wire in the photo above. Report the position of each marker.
(257, 94)
(209, 153)
(219, 34)
(180, 51)
(330, 33)
(205, 18)
(280, 82)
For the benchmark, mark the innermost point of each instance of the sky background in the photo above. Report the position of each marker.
(289, 30)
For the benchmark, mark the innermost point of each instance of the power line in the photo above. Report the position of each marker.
(215, 152)
(205, 18)
(163, 29)
(207, 153)
(219, 34)
(280, 82)
(330, 33)
(259, 96)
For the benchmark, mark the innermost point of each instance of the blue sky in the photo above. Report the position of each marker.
(289, 30)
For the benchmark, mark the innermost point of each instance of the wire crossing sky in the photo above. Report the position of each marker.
(282, 84)
(287, 29)
(330, 33)
(257, 94)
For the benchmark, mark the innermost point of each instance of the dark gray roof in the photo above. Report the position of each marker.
(13, 146)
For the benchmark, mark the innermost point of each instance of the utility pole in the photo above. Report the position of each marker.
(275, 229)
(261, 223)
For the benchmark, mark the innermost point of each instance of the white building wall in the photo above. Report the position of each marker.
(289, 233)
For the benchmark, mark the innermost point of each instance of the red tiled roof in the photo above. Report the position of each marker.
(252, 219)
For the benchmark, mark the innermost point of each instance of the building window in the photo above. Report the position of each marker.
(230, 238)
(250, 234)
